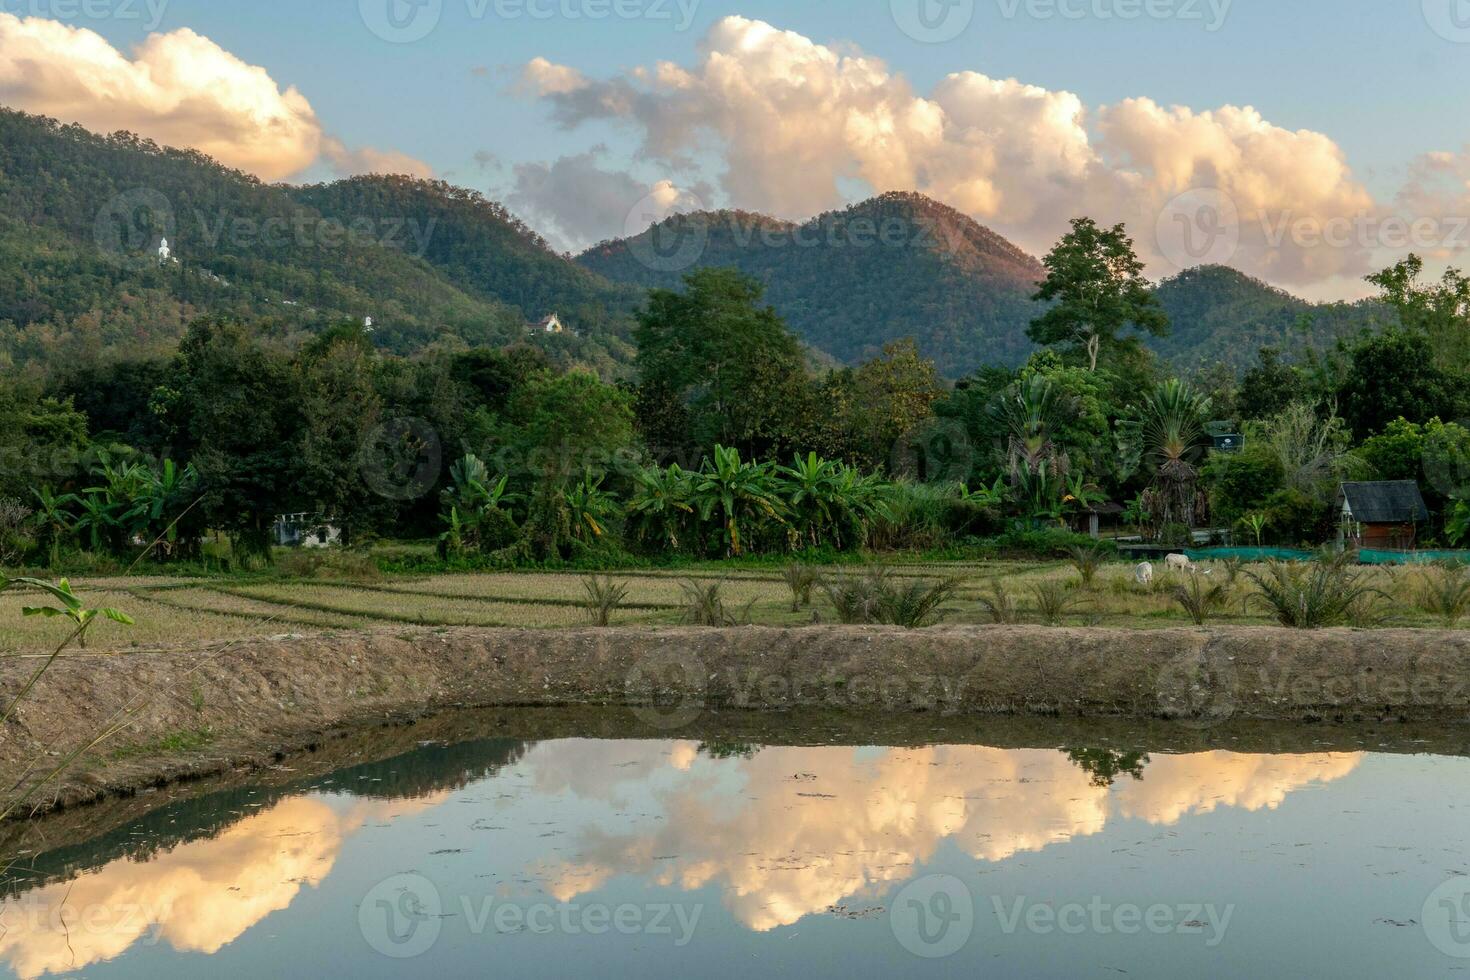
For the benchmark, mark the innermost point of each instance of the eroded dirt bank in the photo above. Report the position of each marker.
(196, 713)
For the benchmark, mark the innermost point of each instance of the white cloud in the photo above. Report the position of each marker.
(178, 89)
(795, 122)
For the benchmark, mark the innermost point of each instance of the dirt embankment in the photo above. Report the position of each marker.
(194, 713)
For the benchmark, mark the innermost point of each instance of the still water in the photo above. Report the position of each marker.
(669, 857)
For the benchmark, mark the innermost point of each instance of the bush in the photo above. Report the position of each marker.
(1313, 595)
(1053, 601)
(874, 598)
(705, 606)
(801, 580)
(1445, 593)
(16, 540)
(1201, 598)
(1053, 543)
(1000, 606)
(604, 597)
(1088, 560)
(1294, 517)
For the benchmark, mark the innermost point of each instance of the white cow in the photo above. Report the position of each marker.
(1179, 563)
(1144, 574)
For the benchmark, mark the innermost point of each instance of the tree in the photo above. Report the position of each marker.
(1393, 375)
(1171, 424)
(1096, 284)
(1270, 386)
(724, 367)
(1441, 311)
(339, 407)
(236, 415)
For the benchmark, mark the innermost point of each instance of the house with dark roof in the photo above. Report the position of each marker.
(1383, 515)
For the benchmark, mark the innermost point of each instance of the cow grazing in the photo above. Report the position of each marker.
(1180, 563)
(1144, 574)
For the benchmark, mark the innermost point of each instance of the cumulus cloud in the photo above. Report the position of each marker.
(795, 123)
(576, 202)
(178, 89)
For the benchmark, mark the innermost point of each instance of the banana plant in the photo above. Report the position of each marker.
(741, 494)
(590, 506)
(660, 507)
(1457, 528)
(54, 518)
(69, 606)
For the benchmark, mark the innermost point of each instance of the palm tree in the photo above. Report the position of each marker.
(1172, 425)
(739, 492)
(590, 506)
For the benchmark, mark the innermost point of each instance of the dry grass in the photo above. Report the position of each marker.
(174, 611)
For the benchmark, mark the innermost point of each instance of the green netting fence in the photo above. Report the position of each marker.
(1365, 557)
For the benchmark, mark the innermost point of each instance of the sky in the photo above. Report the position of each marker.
(1308, 142)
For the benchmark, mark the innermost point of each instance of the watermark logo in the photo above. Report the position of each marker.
(1197, 690)
(1446, 918)
(667, 688)
(1210, 13)
(1450, 19)
(666, 243)
(933, 917)
(401, 459)
(135, 223)
(401, 21)
(1198, 227)
(935, 451)
(149, 13)
(933, 21)
(402, 916)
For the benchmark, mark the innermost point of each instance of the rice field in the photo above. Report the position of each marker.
(171, 612)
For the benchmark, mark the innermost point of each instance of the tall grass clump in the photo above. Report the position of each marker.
(604, 597)
(875, 598)
(1053, 601)
(1201, 598)
(704, 605)
(801, 580)
(1088, 560)
(1314, 595)
(1445, 593)
(1000, 606)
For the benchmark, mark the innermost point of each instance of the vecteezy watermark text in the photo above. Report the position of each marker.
(149, 13)
(407, 21)
(402, 917)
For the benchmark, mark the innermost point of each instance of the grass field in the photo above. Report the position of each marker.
(171, 612)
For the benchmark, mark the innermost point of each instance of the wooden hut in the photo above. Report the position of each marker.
(1380, 516)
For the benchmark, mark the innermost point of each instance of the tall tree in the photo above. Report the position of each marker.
(721, 364)
(1440, 310)
(1097, 287)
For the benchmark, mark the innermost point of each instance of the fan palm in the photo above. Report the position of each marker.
(1172, 426)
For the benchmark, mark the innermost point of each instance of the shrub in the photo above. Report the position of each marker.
(1088, 560)
(705, 606)
(875, 598)
(1201, 598)
(1053, 601)
(604, 597)
(1312, 595)
(801, 580)
(1294, 517)
(1445, 593)
(15, 538)
(1000, 606)
(1053, 542)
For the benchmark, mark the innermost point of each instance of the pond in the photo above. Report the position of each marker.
(498, 846)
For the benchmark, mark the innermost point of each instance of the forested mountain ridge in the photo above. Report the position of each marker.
(851, 281)
(962, 291)
(1220, 314)
(82, 216)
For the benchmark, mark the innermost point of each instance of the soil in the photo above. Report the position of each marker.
(189, 714)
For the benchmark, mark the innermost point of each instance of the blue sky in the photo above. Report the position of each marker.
(1376, 79)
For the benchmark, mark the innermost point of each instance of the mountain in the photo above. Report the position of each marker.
(1220, 314)
(962, 291)
(82, 216)
(851, 281)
